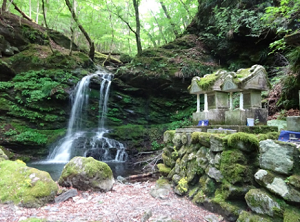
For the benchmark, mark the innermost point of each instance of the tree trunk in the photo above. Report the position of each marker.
(22, 13)
(29, 8)
(46, 24)
(169, 18)
(138, 26)
(91, 43)
(186, 8)
(37, 12)
(3, 8)
(150, 37)
(159, 27)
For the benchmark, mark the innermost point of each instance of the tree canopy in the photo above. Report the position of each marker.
(109, 23)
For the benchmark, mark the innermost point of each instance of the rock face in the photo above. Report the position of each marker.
(277, 157)
(87, 174)
(25, 186)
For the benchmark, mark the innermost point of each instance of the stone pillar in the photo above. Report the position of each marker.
(198, 103)
(241, 101)
(299, 98)
(230, 101)
(205, 103)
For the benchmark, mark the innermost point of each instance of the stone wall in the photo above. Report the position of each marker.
(244, 177)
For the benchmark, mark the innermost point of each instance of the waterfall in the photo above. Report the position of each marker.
(81, 141)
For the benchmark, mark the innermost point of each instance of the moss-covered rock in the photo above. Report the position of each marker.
(291, 214)
(208, 185)
(87, 174)
(246, 216)
(168, 136)
(277, 185)
(234, 167)
(162, 189)
(202, 138)
(2, 155)
(243, 141)
(218, 142)
(263, 203)
(25, 186)
(163, 169)
(294, 180)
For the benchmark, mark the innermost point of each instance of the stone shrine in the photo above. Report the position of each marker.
(218, 89)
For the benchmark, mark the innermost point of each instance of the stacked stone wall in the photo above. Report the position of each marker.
(244, 177)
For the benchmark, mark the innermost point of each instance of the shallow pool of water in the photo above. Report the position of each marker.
(55, 169)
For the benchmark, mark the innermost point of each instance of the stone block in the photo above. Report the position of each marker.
(260, 115)
(277, 157)
(293, 123)
(235, 117)
(215, 116)
(223, 131)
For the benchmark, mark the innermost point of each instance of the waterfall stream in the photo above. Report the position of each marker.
(82, 141)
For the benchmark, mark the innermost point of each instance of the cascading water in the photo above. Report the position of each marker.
(80, 141)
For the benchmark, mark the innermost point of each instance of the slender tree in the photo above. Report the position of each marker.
(86, 35)
(169, 18)
(138, 26)
(37, 12)
(3, 8)
(46, 24)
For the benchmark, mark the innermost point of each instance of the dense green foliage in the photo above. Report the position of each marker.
(102, 20)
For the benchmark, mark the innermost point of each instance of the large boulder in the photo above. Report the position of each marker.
(276, 156)
(25, 186)
(87, 174)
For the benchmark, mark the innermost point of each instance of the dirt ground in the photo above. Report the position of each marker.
(130, 202)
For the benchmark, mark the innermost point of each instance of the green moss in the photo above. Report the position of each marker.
(162, 181)
(163, 169)
(233, 167)
(295, 181)
(18, 186)
(199, 198)
(168, 161)
(250, 139)
(92, 168)
(250, 217)
(291, 214)
(207, 81)
(202, 138)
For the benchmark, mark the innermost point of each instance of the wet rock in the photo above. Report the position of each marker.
(87, 174)
(66, 195)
